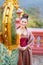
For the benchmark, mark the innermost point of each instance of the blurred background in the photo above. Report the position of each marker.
(34, 8)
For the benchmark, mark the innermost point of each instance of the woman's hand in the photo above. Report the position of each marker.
(23, 48)
(28, 46)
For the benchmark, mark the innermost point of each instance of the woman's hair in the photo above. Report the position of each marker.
(25, 16)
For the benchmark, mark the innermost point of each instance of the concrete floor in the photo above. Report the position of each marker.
(37, 60)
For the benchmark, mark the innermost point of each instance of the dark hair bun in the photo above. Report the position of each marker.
(25, 16)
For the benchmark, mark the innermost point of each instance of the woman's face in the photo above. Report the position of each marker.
(23, 22)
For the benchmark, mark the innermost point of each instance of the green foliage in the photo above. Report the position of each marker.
(34, 21)
(31, 23)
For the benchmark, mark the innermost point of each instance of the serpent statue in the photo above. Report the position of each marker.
(9, 40)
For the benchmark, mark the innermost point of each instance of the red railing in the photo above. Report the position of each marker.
(38, 48)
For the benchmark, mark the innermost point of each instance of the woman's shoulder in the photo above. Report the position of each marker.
(18, 30)
(29, 31)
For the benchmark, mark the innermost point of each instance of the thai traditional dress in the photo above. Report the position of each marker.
(26, 38)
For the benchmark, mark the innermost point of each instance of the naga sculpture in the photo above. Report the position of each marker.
(9, 40)
(8, 24)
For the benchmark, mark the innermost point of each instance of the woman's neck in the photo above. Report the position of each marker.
(22, 27)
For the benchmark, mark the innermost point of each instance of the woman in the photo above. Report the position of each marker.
(26, 40)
